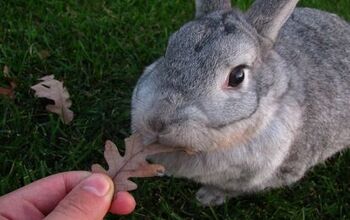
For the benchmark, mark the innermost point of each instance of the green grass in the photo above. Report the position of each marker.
(99, 48)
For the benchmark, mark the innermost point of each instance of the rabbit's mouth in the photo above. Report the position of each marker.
(149, 139)
(187, 150)
(191, 137)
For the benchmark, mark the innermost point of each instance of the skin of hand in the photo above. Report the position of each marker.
(68, 195)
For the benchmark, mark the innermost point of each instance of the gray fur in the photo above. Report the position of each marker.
(269, 16)
(204, 7)
(290, 113)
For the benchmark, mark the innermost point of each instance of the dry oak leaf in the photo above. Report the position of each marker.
(53, 89)
(132, 164)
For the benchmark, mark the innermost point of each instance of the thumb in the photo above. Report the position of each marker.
(89, 200)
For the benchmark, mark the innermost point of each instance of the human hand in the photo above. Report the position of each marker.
(69, 195)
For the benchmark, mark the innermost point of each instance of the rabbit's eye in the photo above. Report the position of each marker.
(236, 76)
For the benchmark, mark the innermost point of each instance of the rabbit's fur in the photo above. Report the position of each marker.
(291, 112)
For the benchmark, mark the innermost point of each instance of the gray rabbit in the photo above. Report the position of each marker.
(260, 96)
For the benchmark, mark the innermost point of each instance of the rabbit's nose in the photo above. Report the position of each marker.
(156, 124)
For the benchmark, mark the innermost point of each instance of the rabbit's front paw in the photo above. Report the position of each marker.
(210, 196)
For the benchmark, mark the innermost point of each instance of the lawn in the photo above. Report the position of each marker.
(99, 49)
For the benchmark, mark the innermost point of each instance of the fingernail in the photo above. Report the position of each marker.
(96, 184)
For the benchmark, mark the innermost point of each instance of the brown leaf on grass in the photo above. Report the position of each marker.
(132, 164)
(53, 89)
(9, 91)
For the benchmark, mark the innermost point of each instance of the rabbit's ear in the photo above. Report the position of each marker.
(204, 7)
(268, 16)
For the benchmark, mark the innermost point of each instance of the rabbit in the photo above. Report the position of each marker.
(260, 96)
